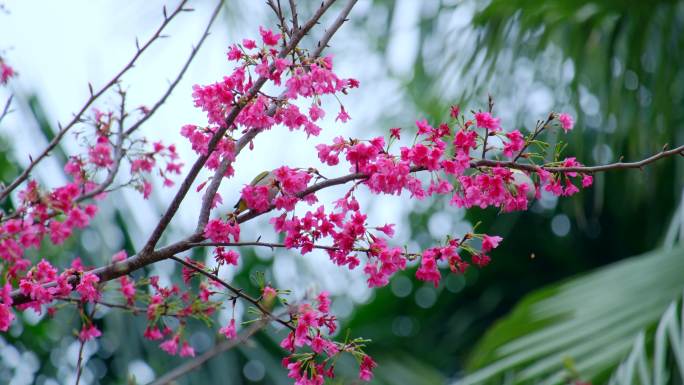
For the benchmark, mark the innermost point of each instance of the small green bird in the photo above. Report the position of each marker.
(265, 178)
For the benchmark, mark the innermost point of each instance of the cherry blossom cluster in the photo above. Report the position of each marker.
(312, 353)
(51, 214)
(43, 285)
(54, 214)
(180, 304)
(299, 76)
(6, 72)
(110, 146)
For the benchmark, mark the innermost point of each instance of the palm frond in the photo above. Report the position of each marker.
(590, 321)
(641, 368)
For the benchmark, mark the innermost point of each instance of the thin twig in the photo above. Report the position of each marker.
(6, 109)
(486, 133)
(293, 11)
(178, 78)
(537, 130)
(133, 309)
(279, 14)
(79, 364)
(341, 18)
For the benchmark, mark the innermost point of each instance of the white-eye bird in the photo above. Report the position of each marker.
(265, 178)
(520, 178)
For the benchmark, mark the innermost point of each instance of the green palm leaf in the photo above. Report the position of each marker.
(590, 321)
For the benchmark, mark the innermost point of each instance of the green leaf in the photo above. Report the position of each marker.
(591, 321)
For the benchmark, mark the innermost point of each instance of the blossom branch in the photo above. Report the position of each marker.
(213, 143)
(213, 187)
(118, 154)
(583, 169)
(93, 96)
(270, 245)
(236, 291)
(141, 260)
(482, 163)
(273, 245)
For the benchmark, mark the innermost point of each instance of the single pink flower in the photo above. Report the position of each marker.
(343, 116)
(187, 350)
(268, 36)
(229, 330)
(89, 332)
(269, 293)
(170, 346)
(490, 242)
(566, 121)
(486, 120)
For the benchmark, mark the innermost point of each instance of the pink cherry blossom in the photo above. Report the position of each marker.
(170, 346)
(89, 332)
(187, 350)
(566, 122)
(229, 330)
(268, 36)
(486, 120)
(490, 242)
(6, 72)
(514, 145)
(343, 116)
(87, 287)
